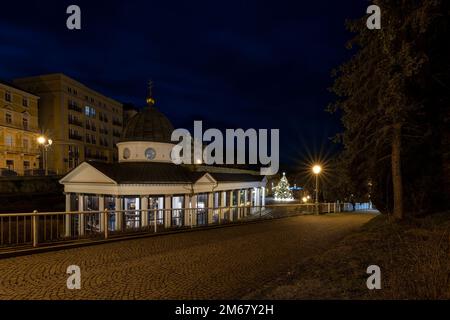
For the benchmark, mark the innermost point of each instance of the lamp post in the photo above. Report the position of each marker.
(45, 143)
(317, 169)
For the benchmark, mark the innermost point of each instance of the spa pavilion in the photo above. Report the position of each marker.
(145, 188)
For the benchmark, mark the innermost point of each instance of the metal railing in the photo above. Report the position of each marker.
(35, 229)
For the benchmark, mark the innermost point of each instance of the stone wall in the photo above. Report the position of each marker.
(25, 194)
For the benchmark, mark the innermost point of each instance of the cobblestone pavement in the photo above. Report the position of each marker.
(224, 263)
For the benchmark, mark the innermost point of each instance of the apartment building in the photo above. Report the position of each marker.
(19, 151)
(82, 123)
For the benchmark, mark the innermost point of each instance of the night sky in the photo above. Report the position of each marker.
(232, 64)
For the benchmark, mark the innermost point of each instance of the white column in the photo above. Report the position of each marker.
(144, 211)
(167, 213)
(81, 215)
(118, 205)
(211, 207)
(101, 208)
(263, 196)
(68, 216)
(187, 211)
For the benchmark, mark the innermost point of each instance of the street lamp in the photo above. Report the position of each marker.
(317, 169)
(45, 143)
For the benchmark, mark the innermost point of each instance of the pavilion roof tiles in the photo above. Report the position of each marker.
(154, 172)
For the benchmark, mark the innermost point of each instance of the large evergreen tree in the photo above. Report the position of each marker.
(393, 94)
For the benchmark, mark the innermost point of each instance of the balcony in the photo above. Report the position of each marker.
(75, 108)
(103, 118)
(19, 149)
(117, 123)
(91, 127)
(74, 136)
(75, 122)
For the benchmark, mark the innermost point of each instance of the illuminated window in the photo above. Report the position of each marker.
(89, 111)
(9, 141)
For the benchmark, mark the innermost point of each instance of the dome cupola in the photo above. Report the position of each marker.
(147, 135)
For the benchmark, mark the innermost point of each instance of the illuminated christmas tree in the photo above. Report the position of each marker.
(282, 191)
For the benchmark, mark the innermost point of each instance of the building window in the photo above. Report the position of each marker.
(156, 210)
(25, 102)
(9, 141)
(8, 118)
(74, 154)
(126, 153)
(25, 144)
(10, 164)
(69, 90)
(177, 211)
(25, 123)
(8, 96)
(26, 165)
(89, 111)
(132, 213)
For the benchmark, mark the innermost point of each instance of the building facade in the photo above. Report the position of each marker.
(82, 123)
(146, 188)
(19, 150)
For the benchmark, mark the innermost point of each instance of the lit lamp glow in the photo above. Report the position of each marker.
(317, 169)
(41, 140)
(45, 143)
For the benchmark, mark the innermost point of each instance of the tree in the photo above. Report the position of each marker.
(282, 191)
(389, 115)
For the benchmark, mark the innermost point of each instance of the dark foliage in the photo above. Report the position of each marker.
(398, 79)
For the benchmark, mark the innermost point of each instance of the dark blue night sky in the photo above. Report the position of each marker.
(232, 64)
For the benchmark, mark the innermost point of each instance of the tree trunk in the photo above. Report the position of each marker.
(397, 171)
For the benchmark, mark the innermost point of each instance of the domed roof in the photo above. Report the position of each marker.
(148, 125)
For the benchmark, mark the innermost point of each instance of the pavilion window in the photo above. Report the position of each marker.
(156, 206)
(132, 205)
(177, 211)
(92, 221)
(202, 213)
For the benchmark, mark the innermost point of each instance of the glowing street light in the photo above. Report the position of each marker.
(317, 169)
(304, 199)
(45, 143)
(41, 140)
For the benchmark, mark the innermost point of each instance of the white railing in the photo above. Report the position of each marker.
(48, 228)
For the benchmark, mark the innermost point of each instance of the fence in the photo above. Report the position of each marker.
(48, 228)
